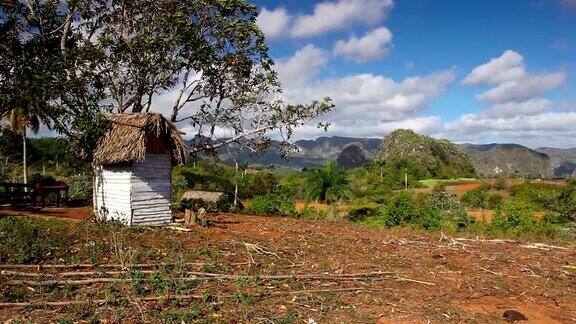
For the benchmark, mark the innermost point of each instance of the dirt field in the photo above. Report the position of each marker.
(342, 273)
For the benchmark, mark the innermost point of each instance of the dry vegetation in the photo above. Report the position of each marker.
(279, 270)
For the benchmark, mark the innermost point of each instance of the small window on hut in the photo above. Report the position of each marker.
(156, 145)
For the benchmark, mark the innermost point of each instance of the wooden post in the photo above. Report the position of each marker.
(405, 180)
(188, 217)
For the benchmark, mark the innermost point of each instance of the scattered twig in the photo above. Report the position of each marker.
(260, 250)
(490, 271)
(97, 301)
(107, 266)
(216, 276)
(180, 229)
(542, 246)
(415, 281)
(453, 242)
(162, 298)
(533, 274)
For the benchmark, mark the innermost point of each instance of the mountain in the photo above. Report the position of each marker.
(430, 157)
(563, 161)
(307, 153)
(353, 156)
(328, 148)
(488, 160)
(508, 159)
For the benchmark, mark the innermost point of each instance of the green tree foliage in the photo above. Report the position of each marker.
(65, 62)
(328, 184)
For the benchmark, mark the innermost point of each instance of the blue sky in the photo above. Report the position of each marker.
(410, 63)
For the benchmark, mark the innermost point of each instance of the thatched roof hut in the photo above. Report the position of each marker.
(133, 135)
(133, 164)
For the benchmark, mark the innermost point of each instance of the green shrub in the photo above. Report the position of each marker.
(453, 213)
(401, 210)
(439, 187)
(179, 187)
(479, 198)
(312, 213)
(501, 183)
(272, 204)
(515, 216)
(80, 187)
(361, 209)
(566, 204)
(542, 196)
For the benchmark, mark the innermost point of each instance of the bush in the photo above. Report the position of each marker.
(515, 216)
(80, 187)
(312, 213)
(480, 199)
(566, 204)
(439, 187)
(453, 213)
(541, 195)
(361, 209)
(501, 183)
(272, 204)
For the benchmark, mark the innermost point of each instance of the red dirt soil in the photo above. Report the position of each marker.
(448, 280)
(78, 213)
(462, 188)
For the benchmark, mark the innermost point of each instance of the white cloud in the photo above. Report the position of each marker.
(368, 98)
(301, 68)
(424, 125)
(337, 15)
(545, 124)
(373, 45)
(523, 89)
(526, 108)
(508, 67)
(275, 23)
(365, 103)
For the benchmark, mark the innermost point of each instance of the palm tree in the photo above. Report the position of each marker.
(327, 184)
(19, 120)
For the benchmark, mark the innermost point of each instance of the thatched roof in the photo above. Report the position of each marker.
(207, 196)
(126, 141)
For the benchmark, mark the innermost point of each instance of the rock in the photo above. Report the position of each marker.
(514, 316)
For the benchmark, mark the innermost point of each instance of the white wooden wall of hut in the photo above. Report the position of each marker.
(112, 193)
(151, 189)
(136, 195)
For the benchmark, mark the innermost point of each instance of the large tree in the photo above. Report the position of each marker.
(200, 62)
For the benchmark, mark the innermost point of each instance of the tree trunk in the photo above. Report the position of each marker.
(24, 156)
(236, 183)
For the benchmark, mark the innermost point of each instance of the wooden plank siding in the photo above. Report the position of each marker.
(112, 193)
(151, 190)
(138, 194)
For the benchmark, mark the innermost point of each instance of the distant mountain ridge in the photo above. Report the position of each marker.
(488, 159)
(508, 159)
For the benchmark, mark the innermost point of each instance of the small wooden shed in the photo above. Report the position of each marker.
(133, 164)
